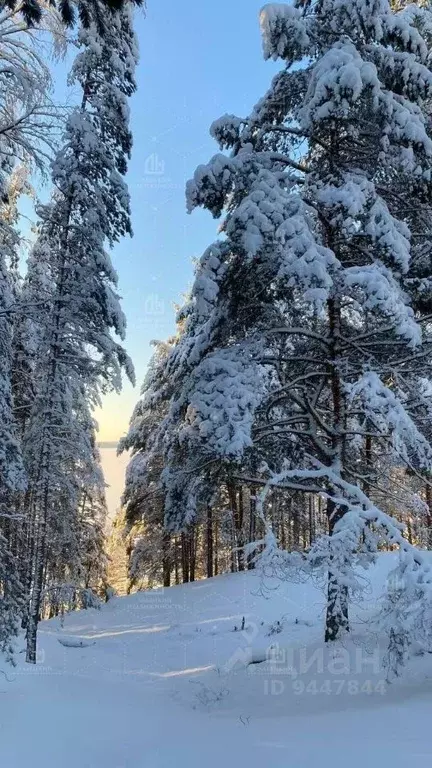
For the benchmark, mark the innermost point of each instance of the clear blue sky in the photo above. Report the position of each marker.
(199, 60)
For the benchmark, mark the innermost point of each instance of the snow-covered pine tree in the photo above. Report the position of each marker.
(301, 341)
(144, 496)
(77, 355)
(170, 489)
(27, 128)
(12, 475)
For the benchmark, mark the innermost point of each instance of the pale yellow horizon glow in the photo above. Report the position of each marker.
(114, 416)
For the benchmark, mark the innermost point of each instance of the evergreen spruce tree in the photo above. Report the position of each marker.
(25, 119)
(77, 357)
(12, 475)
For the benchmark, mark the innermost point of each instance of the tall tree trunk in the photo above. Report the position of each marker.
(216, 547)
(236, 503)
(35, 598)
(41, 516)
(129, 581)
(290, 523)
(296, 528)
(283, 538)
(28, 557)
(252, 530)
(166, 564)
(311, 519)
(429, 519)
(193, 540)
(337, 596)
(176, 561)
(233, 546)
(209, 539)
(185, 558)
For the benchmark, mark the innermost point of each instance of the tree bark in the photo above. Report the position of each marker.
(311, 520)
(185, 558)
(216, 548)
(429, 520)
(35, 601)
(337, 621)
(337, 594)
(296, 528)
(193, 536)
(176, 561)
(166, 565)
(252, 530)
(237, 512)
(209, 538)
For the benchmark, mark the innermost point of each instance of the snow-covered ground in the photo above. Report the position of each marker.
(162, 679)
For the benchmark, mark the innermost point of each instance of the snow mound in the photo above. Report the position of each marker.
(75, 642)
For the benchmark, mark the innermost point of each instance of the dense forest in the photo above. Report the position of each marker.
(286, 424)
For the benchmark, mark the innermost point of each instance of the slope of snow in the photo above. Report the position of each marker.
(163, 679)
